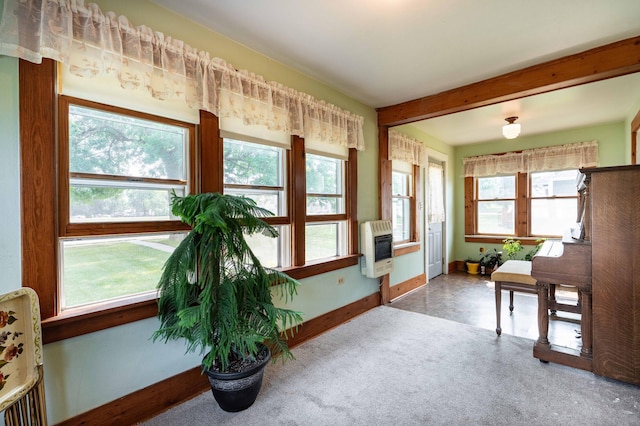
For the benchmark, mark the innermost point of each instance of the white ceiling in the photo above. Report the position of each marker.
(384, 52)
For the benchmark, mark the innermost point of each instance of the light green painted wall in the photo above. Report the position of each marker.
(612, 149)
(9, 177)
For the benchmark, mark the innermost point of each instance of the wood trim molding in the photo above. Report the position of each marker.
(406, 249)
(159, 397)
(210, 146)
(407, 286)
(298, 199)
(39, 206)
(611, 60)
(352, 200)
(635, 127)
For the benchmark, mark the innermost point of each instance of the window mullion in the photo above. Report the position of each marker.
(298, 203)
(523, 217)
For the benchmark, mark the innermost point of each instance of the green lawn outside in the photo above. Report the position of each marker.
(109, 270)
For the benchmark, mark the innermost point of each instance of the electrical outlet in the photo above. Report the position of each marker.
(340, 280)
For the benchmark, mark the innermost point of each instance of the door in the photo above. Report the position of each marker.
(434, 250)
(435, 218)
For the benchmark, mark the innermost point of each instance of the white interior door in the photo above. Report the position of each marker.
(434, 250)
(435, 217)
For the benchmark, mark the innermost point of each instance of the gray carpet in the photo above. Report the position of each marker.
(393, 367)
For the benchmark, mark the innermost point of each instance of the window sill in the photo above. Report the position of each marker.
(77, 322)
(402, 249)
(499, 239)
(321, 266)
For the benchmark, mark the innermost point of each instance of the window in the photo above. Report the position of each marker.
(326, 225)
(258, 171)
(401, 206)
(118, 171)
(405, 179)
(81, 215)
(496, 205)
(554, 202)
(535, 204)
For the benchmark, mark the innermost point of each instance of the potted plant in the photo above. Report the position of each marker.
(473, 265)
(535, 249)
(490, 260)
(512, 247)
(215, 294)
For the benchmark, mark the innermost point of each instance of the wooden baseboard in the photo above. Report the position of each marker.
(154, 399)
(407, 286)
(457, 266)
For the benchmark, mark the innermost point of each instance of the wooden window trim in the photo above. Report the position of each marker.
(522, 213)
(414, 222)
(66, 228)
(39, 201)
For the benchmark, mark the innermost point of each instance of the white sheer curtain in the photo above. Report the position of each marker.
(407, 149)
(436, 193)
(91, 43)
(562, 157)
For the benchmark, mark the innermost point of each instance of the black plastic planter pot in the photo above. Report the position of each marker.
(238, 391)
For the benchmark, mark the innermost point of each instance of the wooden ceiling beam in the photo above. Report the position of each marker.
(611, 60)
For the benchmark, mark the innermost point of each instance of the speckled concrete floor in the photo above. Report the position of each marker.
(470, 299)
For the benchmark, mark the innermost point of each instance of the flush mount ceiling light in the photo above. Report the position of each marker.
(511, 130)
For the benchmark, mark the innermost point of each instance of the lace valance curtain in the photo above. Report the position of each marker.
(92, 43)
(562, 157)
(407, 149)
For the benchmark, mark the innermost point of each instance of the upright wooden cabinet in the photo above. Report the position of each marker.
(615, 237)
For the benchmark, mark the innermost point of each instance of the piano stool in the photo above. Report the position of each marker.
(513, 275)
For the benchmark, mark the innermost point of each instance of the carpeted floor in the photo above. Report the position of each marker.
(394, 367)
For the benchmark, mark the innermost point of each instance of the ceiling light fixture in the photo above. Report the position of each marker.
(511, 130)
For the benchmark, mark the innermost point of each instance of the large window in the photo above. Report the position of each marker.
(536, 204)
(96, 193)
(118, 171)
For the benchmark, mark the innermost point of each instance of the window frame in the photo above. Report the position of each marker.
(522, 213)
(413, 244)
(38, 102)
(70, 229)
(479, 201)
(321, 219)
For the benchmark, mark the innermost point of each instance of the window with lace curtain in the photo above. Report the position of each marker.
(528, 194)
(408, 156)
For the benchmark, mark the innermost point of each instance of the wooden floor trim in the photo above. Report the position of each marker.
(407, 286)
(154, 399)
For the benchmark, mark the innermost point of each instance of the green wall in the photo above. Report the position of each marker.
(612, 151)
